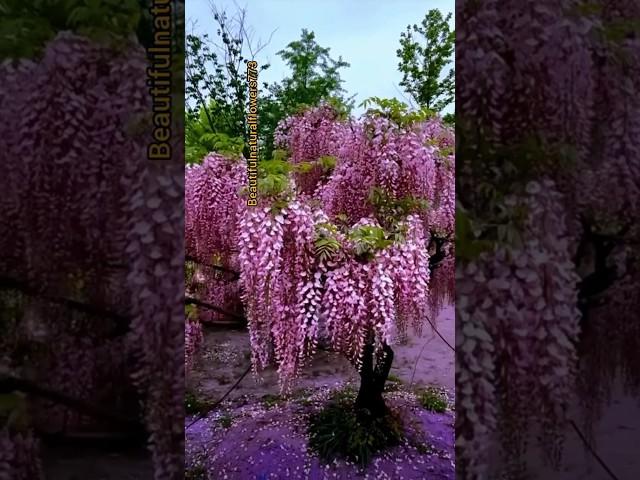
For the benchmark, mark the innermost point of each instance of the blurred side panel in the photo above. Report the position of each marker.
(548, 184)
(91, 239)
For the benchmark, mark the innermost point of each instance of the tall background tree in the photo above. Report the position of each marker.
(314, 78)
(425, 51)
(216, 86)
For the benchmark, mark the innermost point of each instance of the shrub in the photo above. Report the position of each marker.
(344, 395)
(271, 401)
(338, 430)
(393, 383)
(225, 421)
(193, 405)
(433, 399)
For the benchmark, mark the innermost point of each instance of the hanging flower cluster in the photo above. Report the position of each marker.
(193, 338)
(383, 296)
(289, 287)
(212, 207)
(279, 285)
(476, 409)
(64, 155)
(549, 80)
(156, 284)
(441, 217)
(443, 284)
(309, 137)
(518, 303)
(376, 153)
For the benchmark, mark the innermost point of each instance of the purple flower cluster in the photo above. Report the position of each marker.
(19, 456)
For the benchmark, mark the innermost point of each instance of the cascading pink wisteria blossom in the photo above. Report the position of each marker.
(156, 284)
(294, 297)
(77, 357)
(385, 297)
(476, 408)
(277, 265)
(525, 299)
(212, 209)
(443, 283)
(309, 136)
(374, 152)
(441, 217)
(612, 162)
(555, 78)
(212, 206)
(71, 135)
(379, 154)
(193, 338)
(611, 347)
(412, 279)
(613, 182)
(439, 220)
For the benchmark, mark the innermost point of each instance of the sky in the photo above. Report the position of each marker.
(365, 33)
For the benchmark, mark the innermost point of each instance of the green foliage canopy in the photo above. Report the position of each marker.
(425, 50)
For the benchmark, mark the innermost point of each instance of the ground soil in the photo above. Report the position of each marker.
(251, 439)
(424, 360)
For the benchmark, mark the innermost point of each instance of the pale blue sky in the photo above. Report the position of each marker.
(364, 32)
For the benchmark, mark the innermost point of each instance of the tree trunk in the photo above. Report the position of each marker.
(372, 381)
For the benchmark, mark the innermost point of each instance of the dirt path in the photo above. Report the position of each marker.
(226, 356)
(65, 463)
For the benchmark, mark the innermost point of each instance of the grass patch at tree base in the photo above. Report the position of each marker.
(195, 473)
(340, 431)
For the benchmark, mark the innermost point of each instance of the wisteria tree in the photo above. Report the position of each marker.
(350, 244)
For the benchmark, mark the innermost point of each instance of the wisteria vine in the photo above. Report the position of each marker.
(339, 254)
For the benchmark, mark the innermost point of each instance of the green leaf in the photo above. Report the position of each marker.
(328, 162)
(9, 402)
(272, 184)
(279, 155)
(305, 167)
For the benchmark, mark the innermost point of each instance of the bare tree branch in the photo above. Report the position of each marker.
(7, 283)
(208, 306)
(234, 274)
(13, 384)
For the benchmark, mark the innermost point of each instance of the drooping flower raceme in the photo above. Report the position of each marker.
(517, 303)
(212, 207)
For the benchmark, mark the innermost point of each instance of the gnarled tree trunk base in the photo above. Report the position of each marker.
(369, 402)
